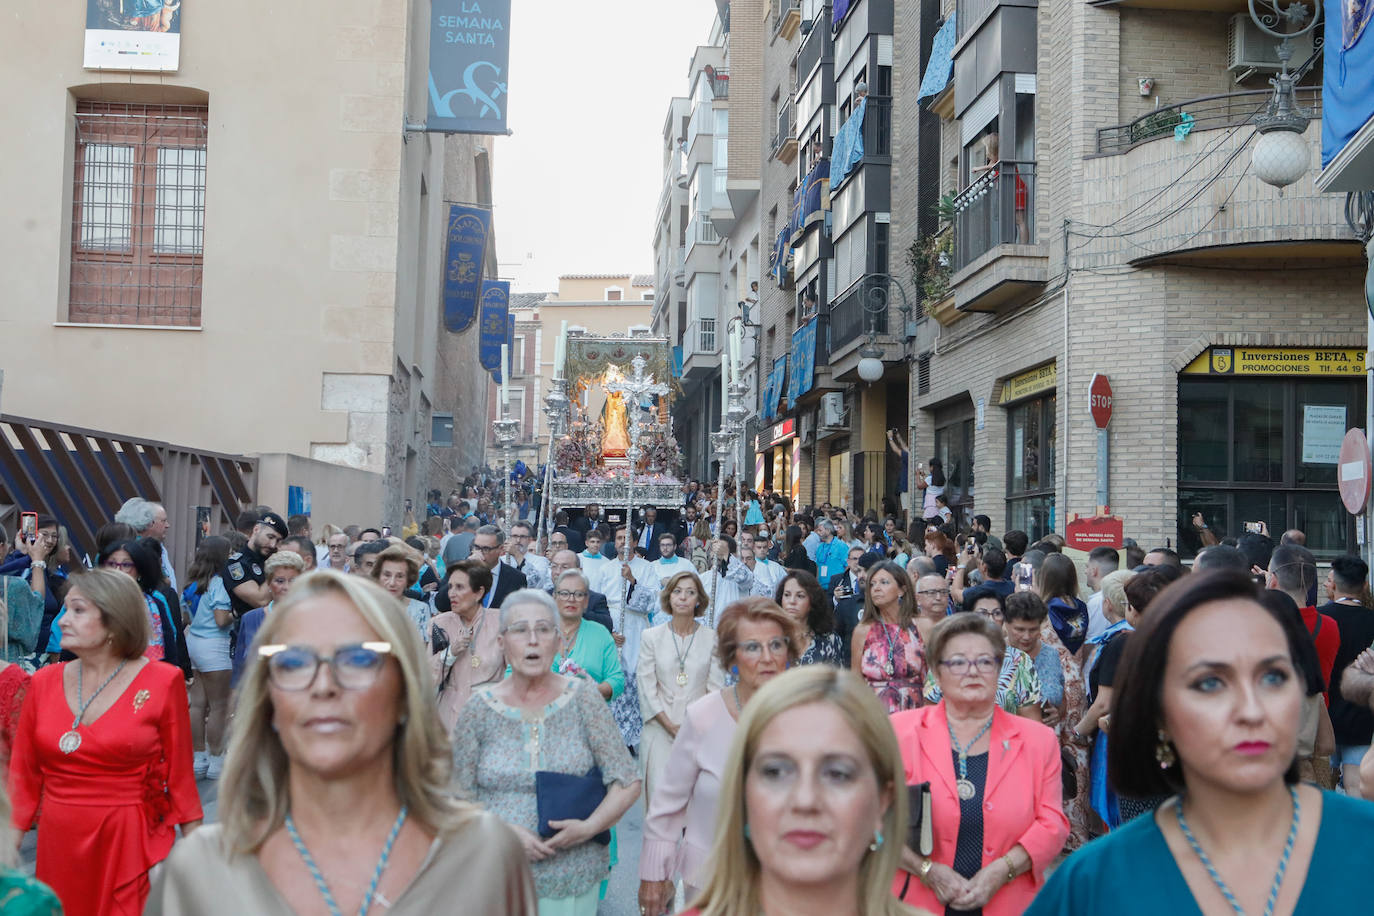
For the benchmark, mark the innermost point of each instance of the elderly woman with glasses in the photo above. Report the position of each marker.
(523, 731)
(1018, 683)
(335, 797)
(757, 640)
(994, 783)
(584, 648)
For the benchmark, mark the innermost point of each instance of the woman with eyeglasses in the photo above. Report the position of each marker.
(994, 783)
(466, 640)
(537, 721)
(102, 757)
(335, 797)
(757, 640)
(1018, 683)
(143, 566)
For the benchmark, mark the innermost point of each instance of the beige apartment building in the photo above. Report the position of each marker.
(1103, 217)
(244, 255)
(598, 305)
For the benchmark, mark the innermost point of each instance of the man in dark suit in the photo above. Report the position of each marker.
(649, 530)
(571, 535)
(486, 547)
(847, 593)
(597, 608)
(589, 519)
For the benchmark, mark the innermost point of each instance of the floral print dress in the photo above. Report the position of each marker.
(1079, 808)
(889, 644)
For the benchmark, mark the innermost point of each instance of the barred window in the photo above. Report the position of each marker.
(138, 231)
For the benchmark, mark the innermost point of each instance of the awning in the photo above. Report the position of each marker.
(803, 376)
(847, 149)
(941, 61)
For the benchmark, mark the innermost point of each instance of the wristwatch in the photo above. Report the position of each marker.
(924, 870)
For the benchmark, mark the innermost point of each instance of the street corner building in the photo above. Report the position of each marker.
(235, 243)
(949, 217)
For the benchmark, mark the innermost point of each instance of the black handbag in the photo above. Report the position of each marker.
(920, 835)
(565, 797)
(1068, 772)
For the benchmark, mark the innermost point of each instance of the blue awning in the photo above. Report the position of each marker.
(847, 149)
(941, 61)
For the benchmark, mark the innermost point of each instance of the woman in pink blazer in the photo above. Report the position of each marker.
(996, 797)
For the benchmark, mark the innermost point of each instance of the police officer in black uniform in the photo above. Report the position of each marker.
(244, 575)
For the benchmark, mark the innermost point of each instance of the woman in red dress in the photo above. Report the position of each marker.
(103, 755)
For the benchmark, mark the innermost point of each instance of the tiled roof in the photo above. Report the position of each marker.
(527, 300)
(642, 280)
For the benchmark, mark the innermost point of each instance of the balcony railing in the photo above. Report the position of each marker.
(1205, 113)
(816, 46)
(849, 320)
(720, 85)
(787, 129)
(700, 339)
(786, 15)
(701, 230)
(997, 209)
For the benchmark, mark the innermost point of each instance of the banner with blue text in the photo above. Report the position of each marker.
(469, 54)
(493, 326)
(466, 244)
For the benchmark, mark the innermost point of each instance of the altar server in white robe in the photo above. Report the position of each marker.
(767, 574)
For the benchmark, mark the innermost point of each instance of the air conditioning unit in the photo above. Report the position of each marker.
(1250, 50)
(832, 409)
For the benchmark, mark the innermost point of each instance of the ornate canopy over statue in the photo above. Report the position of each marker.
(620, 445)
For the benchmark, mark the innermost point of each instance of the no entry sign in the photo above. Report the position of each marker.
(1100, 400)
(1353, 471)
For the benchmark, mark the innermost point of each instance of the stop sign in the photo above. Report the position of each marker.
(1100, 400)
(1353, 471)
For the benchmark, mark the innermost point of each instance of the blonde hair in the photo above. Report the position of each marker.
(254, 789)
(287, 559)
(665, 593)
(123, 609)
(1113, 586)
(734, 867)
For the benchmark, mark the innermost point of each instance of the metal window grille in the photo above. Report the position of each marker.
(138, 220)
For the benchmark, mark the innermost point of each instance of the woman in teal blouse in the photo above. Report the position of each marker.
(1211, 691)
(585, 647)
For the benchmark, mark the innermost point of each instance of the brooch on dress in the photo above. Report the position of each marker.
(140, 698)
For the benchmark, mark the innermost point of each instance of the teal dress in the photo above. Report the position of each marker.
(594, 652)
(1130, 871)
(21, 895)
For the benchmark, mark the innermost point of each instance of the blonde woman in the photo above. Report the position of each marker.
(677, 666)
(812, 814)
(335, 796)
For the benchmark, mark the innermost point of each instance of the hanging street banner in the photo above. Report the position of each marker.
(463, 255)
(469, 53)
(803, 362)
(492, 325)
(133, 35)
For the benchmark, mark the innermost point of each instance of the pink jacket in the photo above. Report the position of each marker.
(1022, 799)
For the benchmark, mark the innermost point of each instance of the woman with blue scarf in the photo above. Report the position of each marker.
(1100, 673)
(1058, 581)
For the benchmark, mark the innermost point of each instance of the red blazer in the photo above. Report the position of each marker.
(1022, 799)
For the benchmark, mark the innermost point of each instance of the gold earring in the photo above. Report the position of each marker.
(1164, 751)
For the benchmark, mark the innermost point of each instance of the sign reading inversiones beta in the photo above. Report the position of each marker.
(469, 54)
(1278, 361)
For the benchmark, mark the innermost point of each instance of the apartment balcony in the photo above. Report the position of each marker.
(784, 145)
(700, 351)
(849, 320)
(997, 261)
(817, 46)
(720, 83)
(1210, 112)
(1163, 206)
(786, 18)
(866, 307)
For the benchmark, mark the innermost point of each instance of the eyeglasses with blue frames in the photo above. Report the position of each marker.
(354, 667)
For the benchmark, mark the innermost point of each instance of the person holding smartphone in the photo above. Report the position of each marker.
(30, 560)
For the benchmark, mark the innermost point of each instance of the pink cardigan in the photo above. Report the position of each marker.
(1022, 799)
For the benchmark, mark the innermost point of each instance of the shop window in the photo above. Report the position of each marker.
(954, 448)
(1031, 437)
(1253, 450)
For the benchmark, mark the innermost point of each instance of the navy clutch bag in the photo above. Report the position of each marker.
(564, 797)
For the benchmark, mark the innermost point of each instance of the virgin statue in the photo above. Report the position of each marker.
(616, 440)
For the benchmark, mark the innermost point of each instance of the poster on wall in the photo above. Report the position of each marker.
(133, 35)
(1323, 428)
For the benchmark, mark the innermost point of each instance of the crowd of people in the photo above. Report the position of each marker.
(817, 713)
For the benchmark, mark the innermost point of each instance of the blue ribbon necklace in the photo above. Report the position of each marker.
(964, 785)
(319, 878)
(1216, 878)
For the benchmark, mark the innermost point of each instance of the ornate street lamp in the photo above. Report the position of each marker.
(875, 298)
(1281, 155)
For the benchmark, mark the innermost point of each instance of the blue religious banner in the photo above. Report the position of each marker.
(469, 54)
(466, 245)
(492, 325)
(803, 361)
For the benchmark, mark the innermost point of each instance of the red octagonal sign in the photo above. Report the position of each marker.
(1353, 471)
(1100, 400)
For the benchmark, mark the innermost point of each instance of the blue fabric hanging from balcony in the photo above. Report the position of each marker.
(803, 375)
(780, 259)
(773, 389)
(941, 61)
(811, 200)
(1348, 77)
(847, 149)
